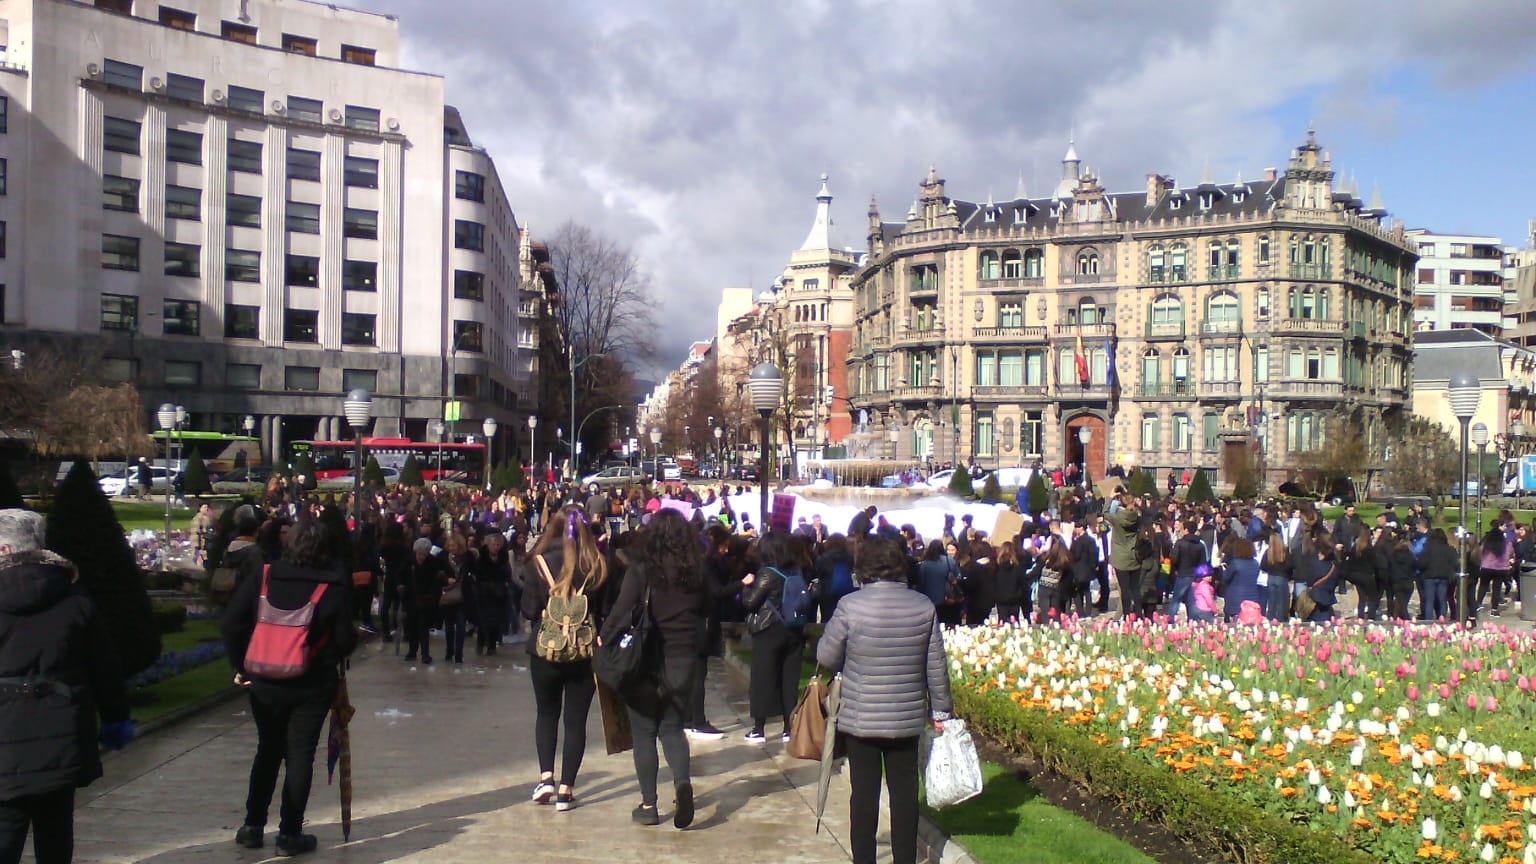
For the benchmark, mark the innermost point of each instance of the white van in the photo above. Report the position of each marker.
(1013, 478)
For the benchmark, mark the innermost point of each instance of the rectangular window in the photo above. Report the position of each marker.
(1426, 276)
(359, 276)
(4, 171)
(120, 136)
(468, 235)
(468, 285)
(177, 19)
(182, 317)
(5, 113)
(184, 87)
(302, 378)
(361, 172)
(466, 336)
(1261, 364)
(359, 379)
(1331, 365)
(301, 325)
(357, 329)
(360, 56)
(242, 33)
(2, 239)
(303, 164)
(1010, 369)
(119, 253)
(242, 376)
(184, 146)
(1010, 314)
(469, 186)
(247, 99)
(1034, 368)
(242, 265)
(1210, 423)
(183, 202)
(306, 110)
(986, 370)
(303, 270)
(1149, 432)
(119, 370)
(299, 44)
(116, 73)
(303, 218)
(1264, 249)
(245, 156)
(183, 259)
(362, 119)
(362, 224)
(466, 386)
(984, 436)
(120, 193)
(242, 322)
(119, 312)
(243, 210)
(1183, 433)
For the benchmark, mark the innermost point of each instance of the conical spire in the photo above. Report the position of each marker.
(820, 237)
(1020, 194)
(1205, 172)
(1376, 203)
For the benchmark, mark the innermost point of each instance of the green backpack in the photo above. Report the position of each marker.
(565, 633)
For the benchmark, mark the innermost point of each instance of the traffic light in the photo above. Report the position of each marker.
(828, 393)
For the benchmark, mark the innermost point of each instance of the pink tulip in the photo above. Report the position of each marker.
(1263, 665)
(1445, 691)
(1492, 704)
(1477, 664)
(1333, 667)
(1300, 673)
(1472, 701)
(1523, 683)
(1413, 692)
(1401, 671)
(1455, 678)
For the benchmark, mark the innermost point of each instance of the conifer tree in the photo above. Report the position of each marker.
(10, 493)
(1199, 488)
(991, 490)
(1038, 497)
(960, 483)
(194, 480)
(373, 475)
(410, 473)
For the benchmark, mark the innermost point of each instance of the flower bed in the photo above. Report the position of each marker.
(1278, 743)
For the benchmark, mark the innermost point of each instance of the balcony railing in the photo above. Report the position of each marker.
(1223, 327)
(1303, 388)
(1357, 329)
(914, 336)
(1221, 389)
(1011, 334)
(1011, 391)
(1311, 271)
(1226, 272)
(1087, 331)
(1318, 326)
(1184, 389)
(1165, 329)
(926, 393)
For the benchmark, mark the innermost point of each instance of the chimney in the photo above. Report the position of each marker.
(1155, 184)
(1270, 174)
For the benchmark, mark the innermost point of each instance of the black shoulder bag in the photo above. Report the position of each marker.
(620, 662)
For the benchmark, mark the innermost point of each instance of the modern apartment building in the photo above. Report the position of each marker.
(250, 209)
(1170, 328)
(1459, 282)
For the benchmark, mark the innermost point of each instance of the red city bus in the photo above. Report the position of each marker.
(461, 463)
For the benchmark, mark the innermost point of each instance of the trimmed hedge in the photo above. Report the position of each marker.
(1207, 817)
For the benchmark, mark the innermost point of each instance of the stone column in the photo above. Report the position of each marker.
(390, 247)
(274, 216)
(215, 230)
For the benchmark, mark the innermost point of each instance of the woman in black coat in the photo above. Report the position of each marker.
(980, 583)
(1011, 583)
(776, 647)
(492, 578)
(1401, 573)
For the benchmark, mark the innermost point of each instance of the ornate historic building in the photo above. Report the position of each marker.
(1165, 329)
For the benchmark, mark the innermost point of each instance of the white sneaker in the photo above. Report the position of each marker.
(544, 792)
(704, 733)
(755, 737)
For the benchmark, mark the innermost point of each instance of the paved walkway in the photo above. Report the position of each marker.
(443, 765)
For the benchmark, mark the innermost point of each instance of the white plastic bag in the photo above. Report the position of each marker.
(951, 768)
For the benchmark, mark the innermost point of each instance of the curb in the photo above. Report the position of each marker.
(933, 845)
(188, 711)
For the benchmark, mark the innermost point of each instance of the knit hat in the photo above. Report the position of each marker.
(422, 544)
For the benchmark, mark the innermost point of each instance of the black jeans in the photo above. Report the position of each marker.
(454, 620)
(898, 758)
(389, 609)
(288, 723)
(657, 716)
(1130, 590)
(50, 816)
(695, 717)
(561, 688)
(775, 679)
(418, 631)
(1494, 579)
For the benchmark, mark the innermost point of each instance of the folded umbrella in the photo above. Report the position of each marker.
(338, 750)
(828, 748)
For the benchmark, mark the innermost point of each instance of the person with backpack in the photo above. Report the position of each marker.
(287, 633)
(777, 600)
(833, 574)
(667, 579)
(565, 577)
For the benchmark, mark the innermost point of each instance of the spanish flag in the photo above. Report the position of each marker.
(1082, 361)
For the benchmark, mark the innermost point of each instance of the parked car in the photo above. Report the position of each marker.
(113, 485)
(746, 473)
(671, 471)
(609, 478)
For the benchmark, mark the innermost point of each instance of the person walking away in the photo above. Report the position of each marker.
(58, 674)
(393, 555)
(833, 572)
(563, 595)
(1010, 583)
(1124, 522)
(1188, 554)
(202, 528)
(422, 588)
(364, 548)
(1401, 570)
(666, 563)
(1495, 559)
(242, 555)
(778, 636)
(492, 584)
(887, 643)
(1357, 568)
(933, 573)
(289, 701)
(1055, 579)
(1242, 577)
(980, 583)
(1085, 566)
(1276, 566)
(1323, 580)
(1437, 572)
(722, 589)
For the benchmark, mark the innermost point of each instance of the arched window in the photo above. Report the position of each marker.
(1157, 264)
(1087, 263)
(989, 268)
(1178, 263)
(1223, 313)
(1167, 316)
(1151, 371)
(1088, 312)
(1013, 266)
(1034, 264)
(1181, 374)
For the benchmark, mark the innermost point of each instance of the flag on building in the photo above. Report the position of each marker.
(1081, 360)
(1109, 362)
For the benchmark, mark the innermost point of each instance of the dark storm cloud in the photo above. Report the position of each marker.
(695, 131)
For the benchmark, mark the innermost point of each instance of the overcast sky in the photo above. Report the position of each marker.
(696, 131)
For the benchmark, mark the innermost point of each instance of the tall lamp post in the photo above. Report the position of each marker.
(166, 417)
(655, 452)
(766, 387)
(488, 426)
(358, 406)
(1084, 437)
(1465, 392)
(1480, 439)
(533, 423)
(438, 428)
(719, 456)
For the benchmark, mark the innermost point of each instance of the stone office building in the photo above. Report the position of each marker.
(250, 209)
(1169, 328)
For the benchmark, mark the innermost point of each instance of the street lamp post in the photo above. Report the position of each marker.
(1480, 439)
(1084, 436)
(488, 426)
(655, 451)
(358, 406)
(181, 456)
(166, 417)
(438, 429)
(719, 456)
(1465, 392)
(765, 384)
(533, 458)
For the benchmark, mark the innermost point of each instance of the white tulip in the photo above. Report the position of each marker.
(1487, 854)
(1432, 709)
(1456, 794)
(1485, 791)
(1494, 754)
(1323, 795)
(1314, 777)
(1514, 760)
(1429, 830)
(1357, 697)
(1349, 799)
(1418, 780)
(1418, 761)
(1356, 756)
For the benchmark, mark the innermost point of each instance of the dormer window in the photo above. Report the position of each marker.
(1239, 197)
(990, 216)
(1018, 214)
(1206, 200)
(1175, 203)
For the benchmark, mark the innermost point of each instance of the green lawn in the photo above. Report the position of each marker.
(150, 515)
(182, 690)
(194, 632)
(1009, 822)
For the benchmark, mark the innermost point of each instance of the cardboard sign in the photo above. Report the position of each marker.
(1008, 526)
(782, 517)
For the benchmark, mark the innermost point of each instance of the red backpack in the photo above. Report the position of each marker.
(279, 646)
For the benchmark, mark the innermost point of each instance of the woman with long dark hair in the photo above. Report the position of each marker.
(1496, 560)
(1010, 586)
(776, 644)
(565, 568)
(668, 561)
